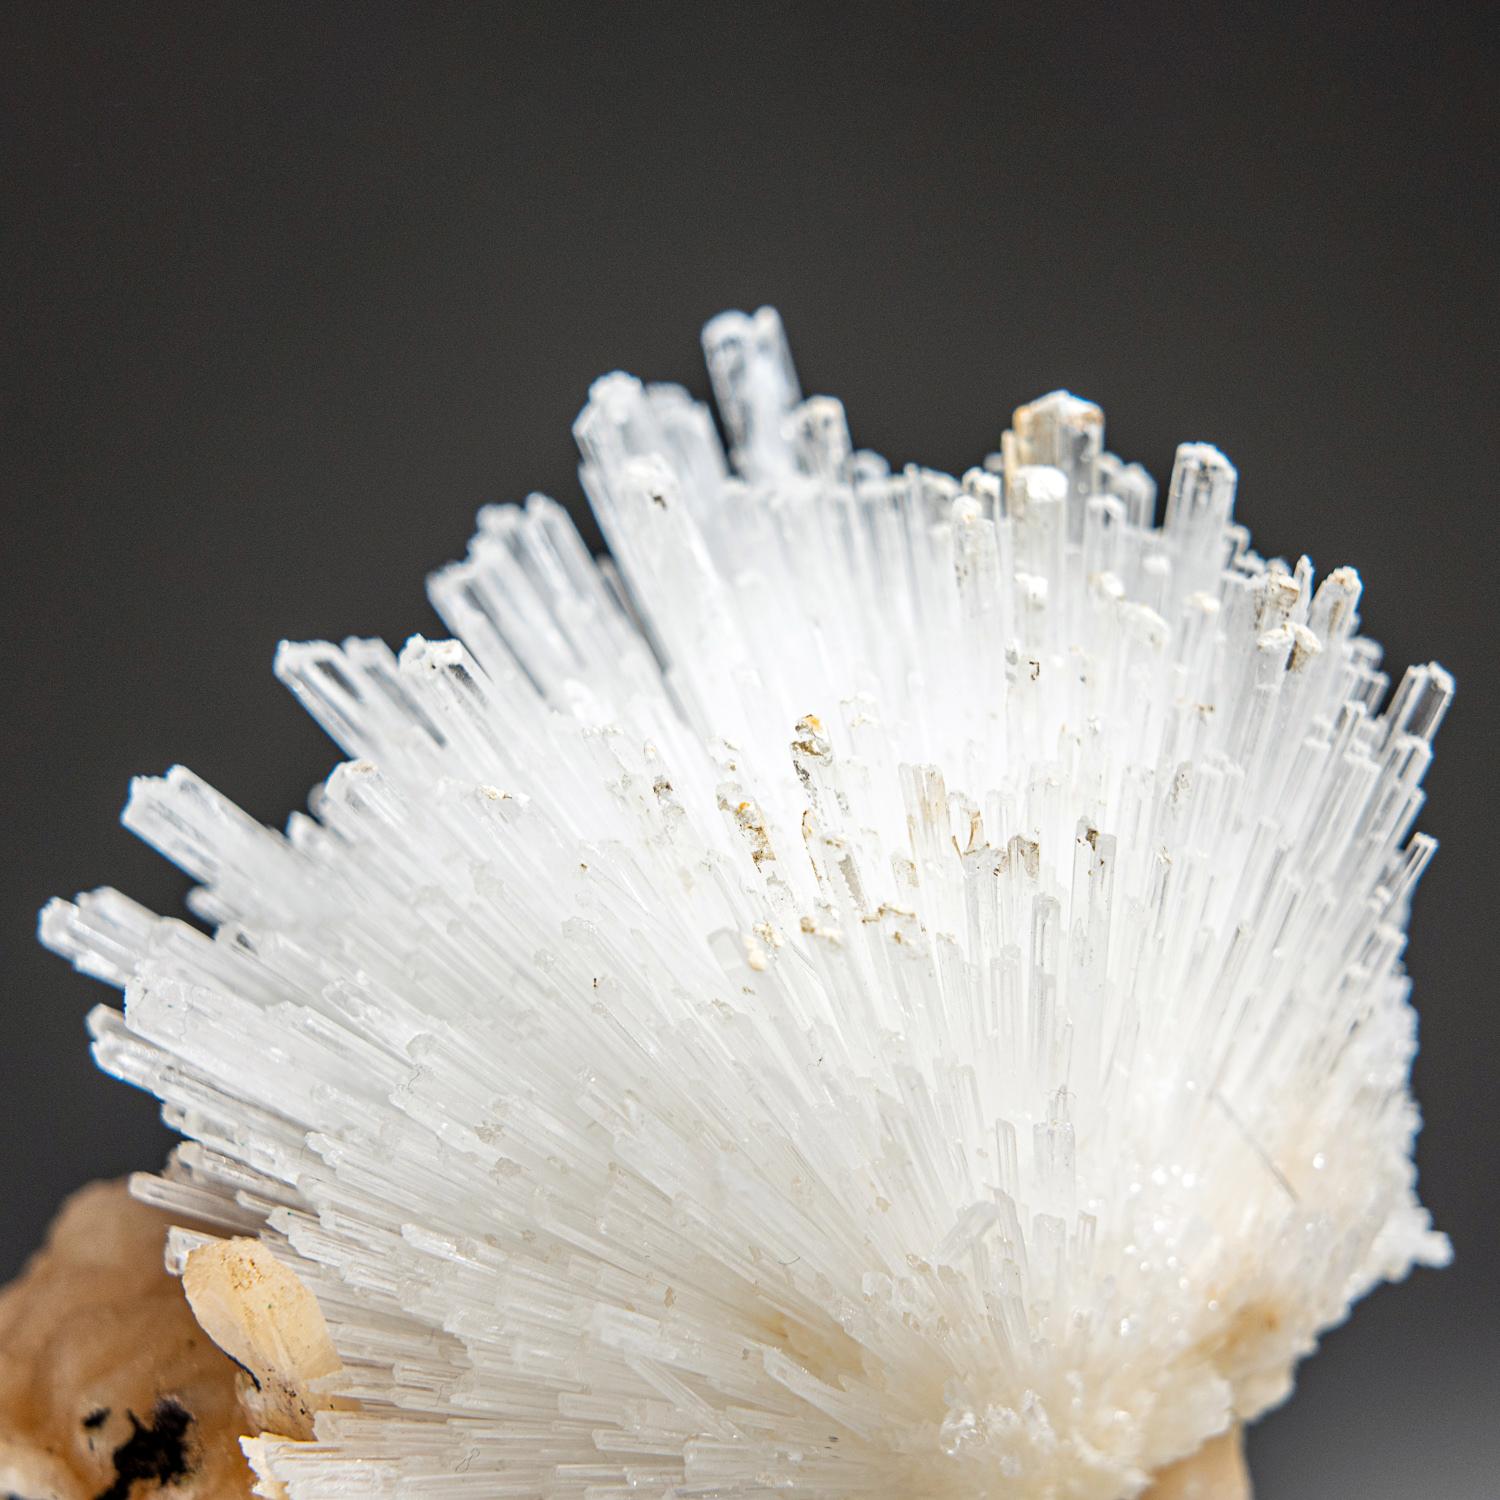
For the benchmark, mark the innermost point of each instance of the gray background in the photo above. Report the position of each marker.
(290, 292)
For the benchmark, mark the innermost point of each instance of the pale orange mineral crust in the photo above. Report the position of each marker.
(109, 1389)
(1215, 1472)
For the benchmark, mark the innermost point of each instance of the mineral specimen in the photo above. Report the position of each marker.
(891, 986)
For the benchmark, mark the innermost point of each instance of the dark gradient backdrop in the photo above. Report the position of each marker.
(290, 292)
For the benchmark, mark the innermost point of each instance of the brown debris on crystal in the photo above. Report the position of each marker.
(109, 1390)
(1215, 1472)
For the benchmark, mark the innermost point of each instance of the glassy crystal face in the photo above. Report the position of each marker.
(891, 986)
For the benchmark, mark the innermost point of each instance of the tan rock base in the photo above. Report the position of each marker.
(109, 1390)
(1216, 1472)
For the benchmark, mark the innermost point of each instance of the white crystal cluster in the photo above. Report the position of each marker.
(891, 988)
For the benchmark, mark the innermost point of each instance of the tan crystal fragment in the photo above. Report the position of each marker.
(261, 1315)
(109, 1390)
